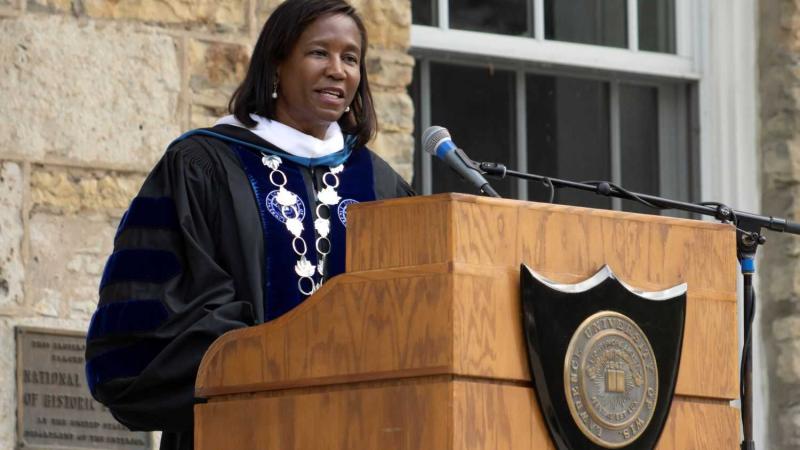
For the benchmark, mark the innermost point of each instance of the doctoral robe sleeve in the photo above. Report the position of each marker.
(164, 296)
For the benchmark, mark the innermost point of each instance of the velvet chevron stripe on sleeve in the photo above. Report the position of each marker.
(142, 265)
(127, 317)
(147, 212)
(122, 362)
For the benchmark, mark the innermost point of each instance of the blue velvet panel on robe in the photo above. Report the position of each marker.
(144, 265)
(125, 317)
(122, 362)
(120, 319)
(281, 292)
(146, 212)
(355, 186)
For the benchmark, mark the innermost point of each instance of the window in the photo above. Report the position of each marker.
(575, 89)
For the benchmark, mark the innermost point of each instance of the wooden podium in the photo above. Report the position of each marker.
(420, 345)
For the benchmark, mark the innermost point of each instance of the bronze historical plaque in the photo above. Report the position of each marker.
(54, 407)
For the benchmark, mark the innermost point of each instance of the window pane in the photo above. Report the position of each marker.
(422, 12)
(497, 16)
(477, 105)
(598, 22)
(657, 25)
(638, 107)
(568, 136)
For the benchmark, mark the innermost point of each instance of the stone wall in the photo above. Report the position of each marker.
(779, 293)
(91, 92)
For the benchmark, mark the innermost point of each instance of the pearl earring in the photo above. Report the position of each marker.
(347, 109)
(275, 88)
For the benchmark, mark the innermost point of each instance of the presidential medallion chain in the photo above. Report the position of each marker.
(290, 205)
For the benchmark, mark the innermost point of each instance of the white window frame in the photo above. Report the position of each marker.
(536, 54)
(718, 89)
(715, 47)
(537, 49)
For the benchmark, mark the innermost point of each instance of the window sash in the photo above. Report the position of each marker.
(682, 65)
(675, 154)
(682, 19)
(549, 57)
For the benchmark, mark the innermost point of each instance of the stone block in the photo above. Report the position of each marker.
(388, 23)
(58, 190)
(8, 6)
(205, 116)
(395, 111)
(790, 425)
(788, 361)
(12, 272)
(52, 6)
(263, 9)
(216, 69)
(786, 328)
(405, 170)
(389, 68)
(68, 254)
(396, 148)
(216, 15)
(87, 92)
(781, 162)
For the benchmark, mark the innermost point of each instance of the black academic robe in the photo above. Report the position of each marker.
(190, 263)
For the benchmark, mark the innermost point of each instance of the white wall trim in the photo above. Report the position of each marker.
(729, 157)
(728, 102)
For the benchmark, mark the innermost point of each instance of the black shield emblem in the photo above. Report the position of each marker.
(603, 357)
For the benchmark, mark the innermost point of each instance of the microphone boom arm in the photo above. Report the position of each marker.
(719, 212)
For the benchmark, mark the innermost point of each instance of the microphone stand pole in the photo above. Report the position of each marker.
(748, 237)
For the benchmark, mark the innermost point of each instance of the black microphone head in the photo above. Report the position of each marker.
(432, 137)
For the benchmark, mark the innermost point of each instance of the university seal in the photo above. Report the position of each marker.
(610, 379)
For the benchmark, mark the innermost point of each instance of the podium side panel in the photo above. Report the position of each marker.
(494, 416)
(497, 416)
(694, 424)
(709, 364)
(487, 322)
(408, 416)
(355, 328)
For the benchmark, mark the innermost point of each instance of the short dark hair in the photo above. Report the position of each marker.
(275, 43)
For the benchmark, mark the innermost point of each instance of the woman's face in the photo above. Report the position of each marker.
(319, 78)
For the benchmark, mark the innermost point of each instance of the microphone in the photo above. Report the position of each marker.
(436, 141)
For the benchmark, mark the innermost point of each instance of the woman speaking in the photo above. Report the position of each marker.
(239, 223)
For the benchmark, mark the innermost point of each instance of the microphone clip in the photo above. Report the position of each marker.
(470, 163)
(494, 169)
